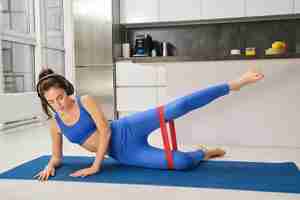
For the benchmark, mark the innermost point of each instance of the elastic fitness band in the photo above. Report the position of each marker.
(165, 136)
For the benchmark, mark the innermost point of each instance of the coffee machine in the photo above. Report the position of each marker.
(143, 45)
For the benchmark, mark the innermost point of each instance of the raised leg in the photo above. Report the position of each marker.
(143, 123)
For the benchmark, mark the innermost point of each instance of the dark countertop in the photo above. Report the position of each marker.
(206, 58)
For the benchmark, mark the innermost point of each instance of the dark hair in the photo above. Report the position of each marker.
(45, 85)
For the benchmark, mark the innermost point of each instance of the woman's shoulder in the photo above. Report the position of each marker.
(88, 102)
(85, 99)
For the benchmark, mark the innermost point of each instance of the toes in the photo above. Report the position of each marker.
(259, 76)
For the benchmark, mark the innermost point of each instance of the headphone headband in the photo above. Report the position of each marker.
(69, 87)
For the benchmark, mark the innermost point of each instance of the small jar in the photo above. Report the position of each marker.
(126, 50)
(250, 51)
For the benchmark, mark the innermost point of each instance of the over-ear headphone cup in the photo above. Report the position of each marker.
(69, 88)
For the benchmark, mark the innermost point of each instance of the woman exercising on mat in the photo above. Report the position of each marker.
(125, 139)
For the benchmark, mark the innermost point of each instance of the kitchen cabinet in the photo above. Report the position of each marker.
(297, 7)
(139, 86)
(178, 10)
(212, 9)
(136, 98)
(139, 11)
(129, 74)
(140, 74)
(268, 7)
(162, 97)
(161, 75)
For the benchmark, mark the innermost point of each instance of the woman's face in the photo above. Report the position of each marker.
(58, 99)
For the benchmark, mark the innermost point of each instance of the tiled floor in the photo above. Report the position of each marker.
(23, 144)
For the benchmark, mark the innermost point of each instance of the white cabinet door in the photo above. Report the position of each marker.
(138, 11)
(297, 6)
(136, 99)
(268, 7)
(130, 74)
(161, 76)
(162, 96)
(222, 9)
(176, 10)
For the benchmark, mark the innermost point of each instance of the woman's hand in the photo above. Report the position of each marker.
(45, 173)
(85, 172)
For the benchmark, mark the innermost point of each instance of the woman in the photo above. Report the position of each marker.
(83, 123)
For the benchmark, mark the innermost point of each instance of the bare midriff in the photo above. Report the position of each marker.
(92, 142)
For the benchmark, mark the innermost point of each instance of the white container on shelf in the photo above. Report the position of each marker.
(126, 50)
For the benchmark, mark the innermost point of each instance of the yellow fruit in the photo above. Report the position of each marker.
(278, 45)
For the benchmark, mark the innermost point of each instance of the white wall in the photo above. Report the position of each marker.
(265, 114)
(19, 106)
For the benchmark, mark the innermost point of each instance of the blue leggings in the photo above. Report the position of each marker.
(129, 143)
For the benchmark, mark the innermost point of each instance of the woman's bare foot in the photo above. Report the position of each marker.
(214, 153)
(211, 153)
(251, 76)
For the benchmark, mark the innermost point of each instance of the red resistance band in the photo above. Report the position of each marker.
(165, 136)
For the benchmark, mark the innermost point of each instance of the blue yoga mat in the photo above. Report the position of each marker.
(255, 176)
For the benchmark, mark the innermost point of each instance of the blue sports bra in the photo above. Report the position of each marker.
(82, 129)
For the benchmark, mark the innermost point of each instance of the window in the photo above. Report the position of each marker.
(26, 48)
(32, 36)
(18, 15)
(53, 51)
(18, 67)
(54, 23)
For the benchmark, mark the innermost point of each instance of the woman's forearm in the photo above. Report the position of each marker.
(102, 148)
